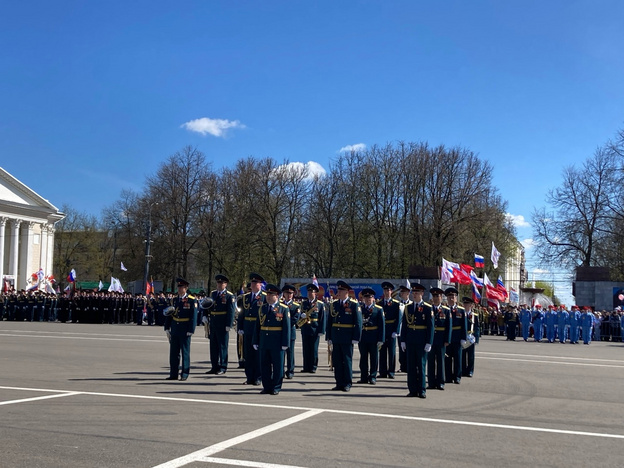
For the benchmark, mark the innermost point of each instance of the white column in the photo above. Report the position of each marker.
(50, 249)
(3, 221)
(43, 249)
(27, 255)
(14, 252)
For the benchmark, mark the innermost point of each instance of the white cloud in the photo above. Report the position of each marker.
(214, 127)
(313, 168)
(518, 220)
(357, 147)
(528, 243)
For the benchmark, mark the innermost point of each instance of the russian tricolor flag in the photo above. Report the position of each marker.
(479, 261)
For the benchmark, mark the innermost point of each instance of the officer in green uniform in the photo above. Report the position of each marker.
(344, 329)
(180, 326)
(252, 302)
(474, 329)
(221, 319)
(393, 312)
(453, 365)
(312, 326)
(441, 339)
(373, 333)
(404, 299)
(288, 293)
(416, 340)
(271, 339)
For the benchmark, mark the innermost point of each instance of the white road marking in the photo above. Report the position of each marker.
(164, 338)
(549, 357)
(45, 397)
(553, 362)
(206, 452)
(334, 411)
(227, 461)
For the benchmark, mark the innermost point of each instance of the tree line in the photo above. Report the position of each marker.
(372, 214)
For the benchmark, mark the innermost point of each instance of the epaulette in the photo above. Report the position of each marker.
(427, 304)
(191, 297)
(298, 304)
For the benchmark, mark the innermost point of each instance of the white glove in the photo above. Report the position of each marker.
(354, 341)
(303, 315)
(189, 334)
(394, 335)
(403, 347)
(379, 344)
(204, 320)
(227, 329)
(427, 348)
(329, 342)
(255, 347)
(241, 332)
(462, 342)
(284, 348)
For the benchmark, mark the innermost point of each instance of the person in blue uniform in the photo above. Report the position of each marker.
(441, 339)
(288, 293)
(587, 324)
(404, 299)
(474, 328)
(344, 329)
(538, 323)
(562, 324)
(393, 312)
(221, 319)
(453, 364)
(551, 322)
(417, 330)
(180, 326)
(373, 332)
(246, 326)
(271, 339)
(573, 319)
(525, 321)
(312, 325)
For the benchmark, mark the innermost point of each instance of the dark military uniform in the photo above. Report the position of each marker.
(441, 336)
(393, 312)
(468, 358)
(181, 324)
(453, 363)
(373, 333)
(311, 330)
(294, 309)
(271, 338)
(417, 332)
(221, 317)
(344, 327)
(247, 324)
(139, 304)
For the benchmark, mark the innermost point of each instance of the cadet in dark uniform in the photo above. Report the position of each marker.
(453, 365)
(139, 308)
(474, 328)
(373, 333)
(404, 298)
(180, 326)
(441, 339)
(221, 319)
(393, 312)
(288, 292)
(511, 320)
(271, 339)
(344, 329)
(416, 340)
(312, 326)
(252, 302)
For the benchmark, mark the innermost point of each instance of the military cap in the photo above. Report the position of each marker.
(387, 285)
(450, 290)
(368, 292)
(312, 287)
(467, 300)
(256, 277)
(417, 287)
(436, 291)
(289, 288)
(222, 278)
(182, 282)
(272, 289)
(343, 285)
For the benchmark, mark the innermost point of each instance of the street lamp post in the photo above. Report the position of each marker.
(148, 244)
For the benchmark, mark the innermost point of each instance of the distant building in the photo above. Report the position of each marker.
(514, 273)
(26, 231)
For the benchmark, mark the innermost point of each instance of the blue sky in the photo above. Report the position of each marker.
(94, 95)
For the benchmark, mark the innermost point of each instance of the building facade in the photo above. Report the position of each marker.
(26, 231)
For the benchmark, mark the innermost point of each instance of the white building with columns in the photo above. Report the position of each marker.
(26, 231)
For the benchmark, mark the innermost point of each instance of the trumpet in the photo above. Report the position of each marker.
(303, 320)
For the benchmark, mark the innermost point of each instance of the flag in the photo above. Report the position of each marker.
(40, 274)
(72, 276)
(493, 293)
(315, 281)
(513, 296)
(493, 303)
(495, 256)
(123, 268)
(476, 295)
(100, 286)
(501, 286)
(479, 261)
(486, 280)
(475, 279)
(446, 273)
(149, 287)
(115, 285)
(462, 275)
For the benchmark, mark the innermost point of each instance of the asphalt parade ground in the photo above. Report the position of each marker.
(78, 395)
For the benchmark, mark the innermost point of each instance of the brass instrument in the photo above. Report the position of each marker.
(306, 320)
(206, 305)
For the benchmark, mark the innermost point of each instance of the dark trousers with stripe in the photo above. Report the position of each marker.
(342, 359)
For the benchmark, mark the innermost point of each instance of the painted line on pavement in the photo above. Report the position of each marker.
(45, 397)
(228, 461)
(586, 364)
(550, 357)
(164, 338)
(206, 452)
